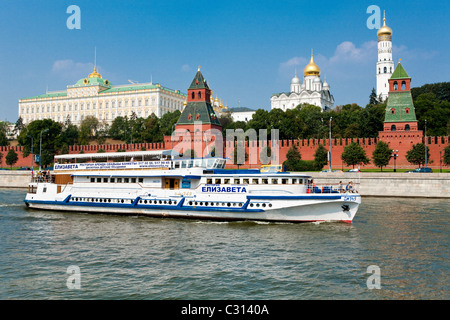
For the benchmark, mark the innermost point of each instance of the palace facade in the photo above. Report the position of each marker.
(97, 97)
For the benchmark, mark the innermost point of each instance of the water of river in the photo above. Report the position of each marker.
(394, 249)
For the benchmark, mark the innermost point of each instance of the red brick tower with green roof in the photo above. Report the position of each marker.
(400, 114)
(400, 123)
(198, 122)
(198, 108)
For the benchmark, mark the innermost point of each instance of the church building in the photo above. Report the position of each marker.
(311, 91)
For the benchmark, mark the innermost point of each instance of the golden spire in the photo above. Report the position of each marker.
(384, 30)
(95, 74)
(311, 68)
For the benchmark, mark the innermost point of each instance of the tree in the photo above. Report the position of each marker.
(293, 158)
(3, 136)
(417, 154)
(11, 158)
(321, 157)
(88, 129)
(240, 155)
(447, 155)
(382, 154)
(354, 154)
(373, 97)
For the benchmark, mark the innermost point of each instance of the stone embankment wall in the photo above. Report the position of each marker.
(434, 185)
(430, 185)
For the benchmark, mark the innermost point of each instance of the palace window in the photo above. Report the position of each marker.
(393, 128)
(407, 127)
(392, 111)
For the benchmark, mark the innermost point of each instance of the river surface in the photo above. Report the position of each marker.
(396, 248)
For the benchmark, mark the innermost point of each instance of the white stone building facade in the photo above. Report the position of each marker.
(95, 96)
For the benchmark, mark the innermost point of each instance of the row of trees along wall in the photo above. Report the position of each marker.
(306, 147)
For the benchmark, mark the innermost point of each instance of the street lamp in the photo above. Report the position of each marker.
(395, 155)
(329, 152)
(40, 148)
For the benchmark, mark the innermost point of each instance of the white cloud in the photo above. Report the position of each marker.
(70, 69)
(348, 51)
(185, 68)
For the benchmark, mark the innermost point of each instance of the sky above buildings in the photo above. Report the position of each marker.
(248, 50)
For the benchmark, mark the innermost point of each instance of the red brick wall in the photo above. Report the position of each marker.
(307, 148)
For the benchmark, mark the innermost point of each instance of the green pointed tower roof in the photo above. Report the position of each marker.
(198, 82)
(400, 73)
(199, 109)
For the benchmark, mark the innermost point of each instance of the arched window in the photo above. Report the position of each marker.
(193, 95)
(379, 70)
(403, 85)
(390, 70)
(392, 111)
(393, 128)
(407, 128)
(407, 110)
(385, 69)
(199, 94)
(395, 85)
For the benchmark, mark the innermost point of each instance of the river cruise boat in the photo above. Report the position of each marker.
(161, 184)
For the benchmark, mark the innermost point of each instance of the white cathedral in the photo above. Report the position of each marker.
(311, 91)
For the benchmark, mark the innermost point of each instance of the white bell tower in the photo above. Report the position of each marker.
(385, 64)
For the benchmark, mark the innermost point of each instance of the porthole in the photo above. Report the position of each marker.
(196, 203)
(264, 205)
(145, 201)
(251, 204)
(201, 203)
(257, 205)
(206, 203)
(109, 200)
(270, 205)
(229, 204)
(190, 203)
(121, 200)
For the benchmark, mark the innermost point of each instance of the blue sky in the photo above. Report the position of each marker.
(248, 50)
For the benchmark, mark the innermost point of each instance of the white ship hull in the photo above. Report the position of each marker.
(188, 188)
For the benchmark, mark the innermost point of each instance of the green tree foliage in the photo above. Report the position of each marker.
(447, 155)
(381, 155)
(3, 136)
(417, 154)
(293, 158)
(52, 140)
(11, 158)
(354, 154)
(88, 129)
(321, 157)
(373, 97)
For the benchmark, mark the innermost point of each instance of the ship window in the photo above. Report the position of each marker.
(105, 179)
(141, 180)
(226, 181)
(237, 181)
(183, 164)
(112, 180)
(265, 181)
(274, 181)
(126, 180)
(284, 181)
(99, 179)
(255, 181)
(208, 181)
(245, 181)
(119, 180)
(92, 179)
(177, 164)
(133, 180)
(44, 190)
(294, 181)
(217, 181)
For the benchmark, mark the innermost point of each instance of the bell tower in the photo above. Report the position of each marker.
(385, 64)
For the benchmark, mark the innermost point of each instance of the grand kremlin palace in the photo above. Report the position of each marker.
(95, 96)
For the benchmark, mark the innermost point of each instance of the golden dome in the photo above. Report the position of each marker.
(311, 68)
(384, 30)
(95, 74)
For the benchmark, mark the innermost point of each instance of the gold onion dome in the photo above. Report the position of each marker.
(311, 68)
(95, 74)
(384, 30)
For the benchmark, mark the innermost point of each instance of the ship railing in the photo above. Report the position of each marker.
(42, 178)
(350, 187)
